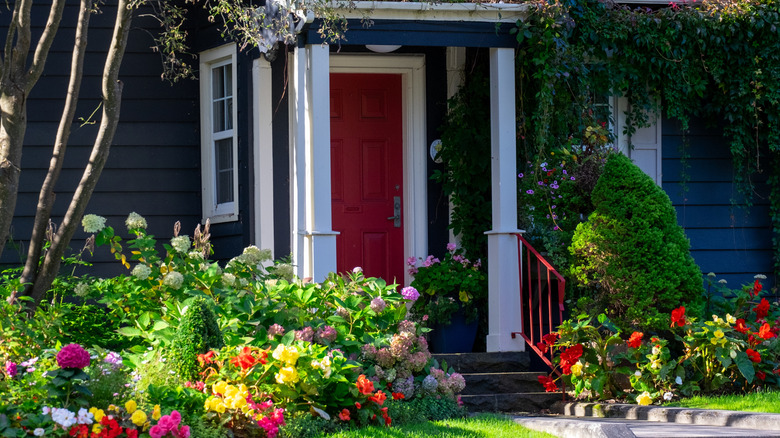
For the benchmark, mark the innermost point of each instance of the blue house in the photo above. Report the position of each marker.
(324, 152)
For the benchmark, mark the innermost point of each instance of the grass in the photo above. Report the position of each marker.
(479, 426)
(765, 401)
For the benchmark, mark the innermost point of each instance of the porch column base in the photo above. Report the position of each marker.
(504, 311)
(320, 254)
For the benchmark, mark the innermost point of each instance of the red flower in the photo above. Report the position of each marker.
(740, 326)
(344, 415)
(635, 341)
(548, 383)
(246, 359)
(550, 338)
(570, 357)
(761, 375)
(398, 396)
(364, 385)
(131, 433)
(762, 309)
(542, 347)
(678, 316)
(753, 355)
(378, 398)
(756, 288)
(357, 405)
(766, 332)
(79, 431)
(207, 358)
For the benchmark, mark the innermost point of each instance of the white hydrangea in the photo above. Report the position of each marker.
(228, 279)
(135, 221)
(173, 280)
(81, 290)
(93, 223)
(252, 255)
(197, 255)
(181, 243)
(141, 271)
(285, 271)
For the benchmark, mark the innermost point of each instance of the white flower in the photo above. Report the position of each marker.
(63, 417)
(760, 277)
(711, 274)
(135, 221)
(638, 373)
(197, 255)
(228, 279)
(678, 380)
(141, 271)
(668, 396)
(46, 410)
(93, 223)
(357, 270)
(181, 243)
(81, 290)
(84, 417)
(39, 431)
(173, 280)
(656, 349)
(722, 281)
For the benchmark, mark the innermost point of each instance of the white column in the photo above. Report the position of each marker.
(300, 256)
(263, 154)
(322, 238)
(503, 270)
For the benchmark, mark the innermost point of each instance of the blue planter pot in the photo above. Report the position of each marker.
(456, 337)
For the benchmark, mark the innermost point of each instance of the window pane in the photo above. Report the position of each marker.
(219, 116)
(224, 168)
(228, 113)
(218, 82)
(228, 72)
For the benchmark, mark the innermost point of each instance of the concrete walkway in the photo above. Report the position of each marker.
(596, 420)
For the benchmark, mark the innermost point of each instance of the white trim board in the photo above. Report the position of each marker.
(412, 70)
(262, 144)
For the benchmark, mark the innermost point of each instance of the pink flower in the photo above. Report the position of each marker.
(411, 261)
(73, 356)
(184, 432)
(450, 247)
(10, 369)
(156, 432)
(410, 293)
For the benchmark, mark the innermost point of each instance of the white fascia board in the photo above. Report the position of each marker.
(477, 12)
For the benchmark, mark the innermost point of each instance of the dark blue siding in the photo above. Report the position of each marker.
(727, 238)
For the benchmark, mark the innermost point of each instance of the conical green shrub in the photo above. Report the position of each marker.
(198, 333)
(631, 255)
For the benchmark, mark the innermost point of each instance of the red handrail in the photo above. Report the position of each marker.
(534, 327)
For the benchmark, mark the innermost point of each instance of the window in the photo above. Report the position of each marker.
(219, 139)
(645, 149)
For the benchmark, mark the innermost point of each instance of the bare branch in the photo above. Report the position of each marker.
(44, 43)
(112, 96)
(46, 196)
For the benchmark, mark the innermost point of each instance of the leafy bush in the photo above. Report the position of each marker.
(631, 254)
(198, 333)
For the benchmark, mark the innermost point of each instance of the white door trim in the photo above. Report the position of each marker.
(412, 70)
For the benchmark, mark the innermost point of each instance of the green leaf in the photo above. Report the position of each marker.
(143, 320)
(602, 318)
(159, 325)
(130, 332)
(745, 366)
(288, 338)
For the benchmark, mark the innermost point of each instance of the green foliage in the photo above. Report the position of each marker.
(631, 254)
(305, 425)
(197, 334)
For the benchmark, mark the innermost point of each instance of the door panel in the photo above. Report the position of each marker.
(367, 172)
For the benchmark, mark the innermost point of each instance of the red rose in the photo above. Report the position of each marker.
(753, 355)
(678, 316)
(635, 341)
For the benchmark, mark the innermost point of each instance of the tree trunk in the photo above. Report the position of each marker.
(112, 98)
(46, 197)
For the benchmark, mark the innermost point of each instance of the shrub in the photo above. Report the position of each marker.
(631, 254)
(197, 334)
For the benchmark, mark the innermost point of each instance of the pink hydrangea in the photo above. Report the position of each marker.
(274, 330)
(451, 247)
(10, 369)
(378, 305)
(410, 293)
(73, 356)
(306, 335)
(326, 334)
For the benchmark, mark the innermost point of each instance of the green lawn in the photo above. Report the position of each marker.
(753, 402)
(480, 426)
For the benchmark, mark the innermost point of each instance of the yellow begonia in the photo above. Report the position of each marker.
(230, 391)
(97, 414)
(96, 428)
(730, 319)
(644, 399)
(139, 417)
(287, 375)
(131, 406)
(156, 414)
(288, 355)
(576, 369)
(219, 387)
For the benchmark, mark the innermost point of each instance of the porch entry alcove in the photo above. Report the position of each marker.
(342, 169)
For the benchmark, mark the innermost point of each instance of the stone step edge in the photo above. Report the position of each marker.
(508, 374)
(506, 394)
(663, 414)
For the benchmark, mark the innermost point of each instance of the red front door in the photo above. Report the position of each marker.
(367, 173)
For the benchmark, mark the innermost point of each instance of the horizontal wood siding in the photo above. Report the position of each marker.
(727, 238)
(154, 164)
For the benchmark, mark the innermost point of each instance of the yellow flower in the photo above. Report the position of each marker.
(288, 355)
(97, 414)
(287, 375)
(576, 369)
(730, 319)
(156, 413)
(219, 387)
(230, 391)
(131, 406)
(139, 417)
(644, 399)
(220, 407)
(96, 428)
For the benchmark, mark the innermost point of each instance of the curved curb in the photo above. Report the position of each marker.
(708, 417)
(575, 429)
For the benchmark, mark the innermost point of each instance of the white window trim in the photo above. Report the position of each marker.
(228, 211)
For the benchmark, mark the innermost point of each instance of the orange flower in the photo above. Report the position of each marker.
(364, 385)
(766, 332)
(678, 316)
(635, 341)
(378, 398)
(398, 396)
(344, 415)
(207, 358)
(246, 359)
(740, 326)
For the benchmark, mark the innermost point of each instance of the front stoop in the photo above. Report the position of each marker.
(499, 382)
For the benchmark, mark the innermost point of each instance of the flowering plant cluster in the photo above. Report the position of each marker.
(447, 285)
(733, 352)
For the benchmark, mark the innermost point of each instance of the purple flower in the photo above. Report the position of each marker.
(541, 183)
(411, 261)
(10, 369)
(410, 293)
(450, 247)
(306, 335)
(556, 228)
(378, 305)
(73, 356)
(564, 172)
(530, 192)
(572, 178)
(274, 330)
(519, 175)
(326, 334)
(113, 358)
(554, 206)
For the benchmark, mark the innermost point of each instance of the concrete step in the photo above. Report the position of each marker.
(502, 383)
(497, 362)
(513, 402)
